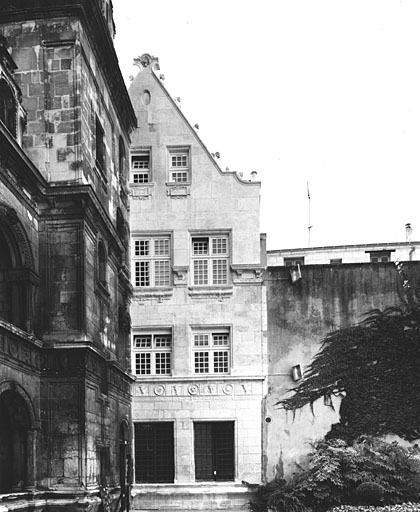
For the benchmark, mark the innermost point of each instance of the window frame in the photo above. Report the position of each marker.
(152, 351)
(378, 256)
(8, 107)
(211, 348)
(145, 171)
(211, 268)
(152, 261)
(293, 261)
(100, 146)
(179, 152)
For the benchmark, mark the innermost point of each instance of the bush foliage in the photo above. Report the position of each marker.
(368, 471)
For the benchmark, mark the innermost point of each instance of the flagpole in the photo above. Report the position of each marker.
(309, 214)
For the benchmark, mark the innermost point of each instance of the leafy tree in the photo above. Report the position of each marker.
(376, 366)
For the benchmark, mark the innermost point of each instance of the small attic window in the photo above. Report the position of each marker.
(179, 165)
(140, 167)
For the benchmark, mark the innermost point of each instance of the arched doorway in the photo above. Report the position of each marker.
(15, 423)
(125, 463)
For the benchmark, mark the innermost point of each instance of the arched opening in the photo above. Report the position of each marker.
(102, 264)
(121, 156)
(7, 107)
(14, 436)
(13, 286)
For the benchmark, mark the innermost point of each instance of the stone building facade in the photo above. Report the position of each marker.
(66, 119)
(198, 313)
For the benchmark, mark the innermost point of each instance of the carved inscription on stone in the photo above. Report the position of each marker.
(194, 389)
(20, 350)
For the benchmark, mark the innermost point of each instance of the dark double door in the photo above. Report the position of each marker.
(214, 450)
(154, 452)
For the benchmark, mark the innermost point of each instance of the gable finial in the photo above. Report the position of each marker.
(147, 61)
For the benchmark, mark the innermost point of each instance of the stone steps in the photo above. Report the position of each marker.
(190, 498)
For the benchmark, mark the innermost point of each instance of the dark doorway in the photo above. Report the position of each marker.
(214, 450)
(154, 452)
(14, 425)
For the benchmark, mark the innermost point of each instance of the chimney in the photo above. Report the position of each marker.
(408, 232)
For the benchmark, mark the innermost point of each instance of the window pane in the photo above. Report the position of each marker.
(163, 363)
(201, 275)
(201, 340)
(141, 247)
(140, 161)
(219, 245)
(143, 273)
(200, 246)
(162, 273)
(162, 341)
(179, 176)
(179, 160)
(143, 366)
(162, 247)
(141, 177)
(219, 271)
(201, 362)
(221, 362)
(220, 340)
(143, 341)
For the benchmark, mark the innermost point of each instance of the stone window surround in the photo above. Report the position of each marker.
(152, 237)
(211, 348)
(210, 257)
(179, 152)
(151, 352)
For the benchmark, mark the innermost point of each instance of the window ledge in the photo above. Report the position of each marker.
(155, 294)
(141, 190)
(210, 292)
(178, 190)
(142, 185)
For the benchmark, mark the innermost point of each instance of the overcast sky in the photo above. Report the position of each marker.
(325, 92)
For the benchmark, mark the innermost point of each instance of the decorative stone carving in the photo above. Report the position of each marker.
(180, 276)
(141, 192)
(219, 294)
(152, 296)
(243, 275)
(146, 60)
(178, 192)
(195, 389)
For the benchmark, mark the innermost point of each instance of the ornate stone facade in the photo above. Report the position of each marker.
(65, 123)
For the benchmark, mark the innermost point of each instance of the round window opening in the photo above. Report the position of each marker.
(146, 97)
(268, 419)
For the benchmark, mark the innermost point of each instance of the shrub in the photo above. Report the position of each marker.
(370, 471)
(370, 493)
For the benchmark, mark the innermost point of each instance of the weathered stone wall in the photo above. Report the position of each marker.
(80, 391)
(300, 314)
(63, 92)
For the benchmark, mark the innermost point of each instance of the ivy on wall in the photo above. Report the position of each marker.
(376, 366)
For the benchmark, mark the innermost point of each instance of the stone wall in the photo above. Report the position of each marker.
(300, 314)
